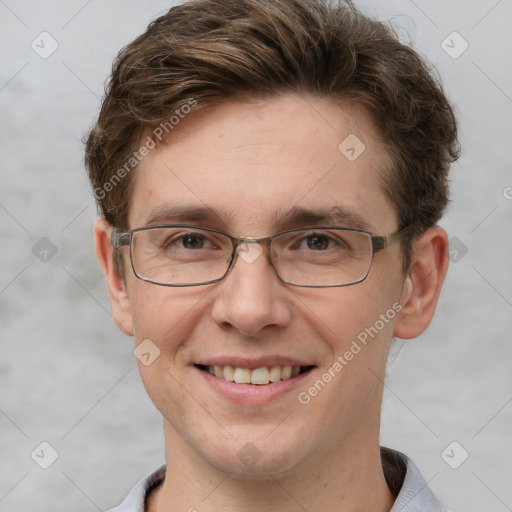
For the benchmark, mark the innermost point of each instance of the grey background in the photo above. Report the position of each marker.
(68, 376)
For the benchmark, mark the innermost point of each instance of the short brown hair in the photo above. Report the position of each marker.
(212, 51)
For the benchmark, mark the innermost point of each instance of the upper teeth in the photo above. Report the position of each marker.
(262, 375)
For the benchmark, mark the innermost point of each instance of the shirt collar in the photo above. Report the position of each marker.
(415, 495)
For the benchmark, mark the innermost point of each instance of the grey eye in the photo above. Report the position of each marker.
(193, 241)
(318, 242)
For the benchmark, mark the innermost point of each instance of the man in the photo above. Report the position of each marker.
(270, 175)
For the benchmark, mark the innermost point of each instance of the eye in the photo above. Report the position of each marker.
(178, 240)
(174, 240)
(320, 242)
(192, 241)
(317, 242)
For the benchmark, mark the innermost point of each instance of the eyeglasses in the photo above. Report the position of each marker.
(316, 257)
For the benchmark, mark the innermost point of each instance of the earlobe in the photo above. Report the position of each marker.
(423, 283)
(119, 300)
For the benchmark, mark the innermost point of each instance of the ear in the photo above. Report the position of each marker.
(116, 287)
(423, 283)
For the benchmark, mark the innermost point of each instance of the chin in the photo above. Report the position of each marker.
(255, 457)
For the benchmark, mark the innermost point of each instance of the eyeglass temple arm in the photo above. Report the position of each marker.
(120, 239)
(381, 242)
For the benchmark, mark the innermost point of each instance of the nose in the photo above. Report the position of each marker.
(251, 299)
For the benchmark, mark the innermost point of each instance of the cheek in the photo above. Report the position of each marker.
(363, 311)
(167, 317)
(157, 310)
(146, 310)
(162, 323)
(348, 389)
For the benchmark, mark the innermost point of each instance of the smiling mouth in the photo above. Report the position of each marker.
(258, 376)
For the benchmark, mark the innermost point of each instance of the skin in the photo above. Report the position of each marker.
(252, 160)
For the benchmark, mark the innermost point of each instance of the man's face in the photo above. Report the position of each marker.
(253, 163)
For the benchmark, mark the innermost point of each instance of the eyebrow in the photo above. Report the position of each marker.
(333, 216)
(295, 217)
(167, 213)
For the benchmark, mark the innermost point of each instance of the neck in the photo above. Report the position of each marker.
(349, 479)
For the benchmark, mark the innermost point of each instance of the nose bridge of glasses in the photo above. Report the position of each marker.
(250, 249)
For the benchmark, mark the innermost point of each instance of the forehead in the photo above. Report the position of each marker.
(254, 164)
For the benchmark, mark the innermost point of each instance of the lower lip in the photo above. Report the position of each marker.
(253, 393)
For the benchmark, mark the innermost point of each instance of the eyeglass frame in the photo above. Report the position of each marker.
(378, 243)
